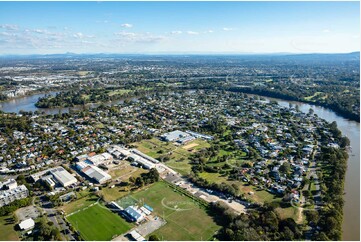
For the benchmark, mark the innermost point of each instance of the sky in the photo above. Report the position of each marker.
(179, 27)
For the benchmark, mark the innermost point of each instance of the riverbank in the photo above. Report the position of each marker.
(342, 113)
(351, 129)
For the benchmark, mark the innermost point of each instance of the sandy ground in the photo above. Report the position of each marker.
(186, 147)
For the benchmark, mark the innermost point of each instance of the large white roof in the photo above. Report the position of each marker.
(27, 224)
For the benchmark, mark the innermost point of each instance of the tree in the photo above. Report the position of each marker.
(285, 167)
(311, 111)
(154, 237)
(312, 216)
(322, 237)
(139, 182)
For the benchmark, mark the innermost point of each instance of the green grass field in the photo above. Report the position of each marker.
(80, 203)
(111, 194)
(98, 223)
(186, 220)
(290, 212)
(179, 155)
(119, 91)
(7, 232)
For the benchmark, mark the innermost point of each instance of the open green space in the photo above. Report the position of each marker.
(98, 223)
(85, 200)
(7, 232)
(119, 91)
(290, 212)
(111, 194)
(178, 155)
(186, 220)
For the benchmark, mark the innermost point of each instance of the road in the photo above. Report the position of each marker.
(57, 219)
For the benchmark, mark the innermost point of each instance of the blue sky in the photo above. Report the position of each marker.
(179, 27)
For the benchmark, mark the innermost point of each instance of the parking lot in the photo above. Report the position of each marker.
(27, 212)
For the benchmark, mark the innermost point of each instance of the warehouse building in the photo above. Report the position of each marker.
(147, 157)
(53, 176)
(141, 161)
(63, 176)
(100, 159)
(93, 172)
(174, 136)
(118, 151)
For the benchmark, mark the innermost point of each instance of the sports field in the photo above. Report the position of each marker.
(79, 204)
(98, 223)
(186, 220)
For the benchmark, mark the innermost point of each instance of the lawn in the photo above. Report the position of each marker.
(98, 223)
(290, 212)
(7, 232)
(79, 204)
(214, 177)
(186, 220)
(112, 194)
(178, 155)
(119, 91)
(259, 196)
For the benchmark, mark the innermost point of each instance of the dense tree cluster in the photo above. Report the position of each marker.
(8, 209)
(72, 98)
(263, 224)
(46, 231)
(146, 178)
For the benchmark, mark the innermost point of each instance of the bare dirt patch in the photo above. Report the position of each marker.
(190, 146)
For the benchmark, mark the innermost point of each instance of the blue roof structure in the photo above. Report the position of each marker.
(148, 207)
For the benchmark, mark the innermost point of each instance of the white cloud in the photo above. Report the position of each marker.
(9, 26)
(208, 31)
(40, 31)
(139, 37)
(176, 32)
(227, 29)
(127, 25)
(326, 31)
(78, 35)
(192, 32)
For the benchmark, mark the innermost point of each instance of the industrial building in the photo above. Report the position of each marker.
(147, 157)
(100, 159)
(198, 135)
(93, 172)
(141, 161)
(174, 135)
(12, 192)
(53, 176)
(63, 176)
(118, 151)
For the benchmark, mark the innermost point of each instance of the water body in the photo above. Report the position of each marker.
(27, 104)
(351, 223)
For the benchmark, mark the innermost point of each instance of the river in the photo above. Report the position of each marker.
(27, 103)
(351, 222)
